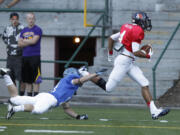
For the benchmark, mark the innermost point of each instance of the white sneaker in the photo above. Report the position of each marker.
(4, 71)
(159, 113)
(10, 105)
(10, 112)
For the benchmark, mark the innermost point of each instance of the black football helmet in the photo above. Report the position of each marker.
(141, 19)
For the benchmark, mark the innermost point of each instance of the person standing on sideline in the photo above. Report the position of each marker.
(30, 41)
(10, 37)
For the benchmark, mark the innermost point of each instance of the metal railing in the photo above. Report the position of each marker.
(159, 59)
(83, 42)
(103, 17)
(55, 61)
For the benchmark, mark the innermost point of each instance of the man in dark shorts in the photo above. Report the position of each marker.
(14, 53)
(30, 40)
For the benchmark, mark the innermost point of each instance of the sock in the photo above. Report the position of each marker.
(148, 104)
(153, 108)
(29, 94)
(8, 80)
(21, 93)
(35, 93)
(19, 108)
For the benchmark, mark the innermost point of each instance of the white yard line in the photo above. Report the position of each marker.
(44, 118)
(57, 131)
(3, 127)
(2, 117)
(1, 130)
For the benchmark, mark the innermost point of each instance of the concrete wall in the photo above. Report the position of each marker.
(59, 23)
(72, 23)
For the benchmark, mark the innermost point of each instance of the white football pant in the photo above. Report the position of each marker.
(124, 65)
(41, 102)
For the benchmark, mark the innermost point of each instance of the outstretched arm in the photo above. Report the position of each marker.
(69, 111)
(87, 76)
(84, 79)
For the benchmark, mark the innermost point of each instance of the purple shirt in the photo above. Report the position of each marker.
(28, 33)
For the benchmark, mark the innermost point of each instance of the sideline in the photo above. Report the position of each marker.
(97, 126)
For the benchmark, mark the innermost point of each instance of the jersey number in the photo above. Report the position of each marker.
(119, 45)
(121, 36)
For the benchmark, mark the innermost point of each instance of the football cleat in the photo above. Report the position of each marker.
(10, 105)
(4, 71)
(10, 113)
(161, 113)
(82, 117)
(10, 110)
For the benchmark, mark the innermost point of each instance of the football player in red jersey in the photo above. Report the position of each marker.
(129, 38)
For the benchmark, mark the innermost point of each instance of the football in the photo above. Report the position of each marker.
(146, 48)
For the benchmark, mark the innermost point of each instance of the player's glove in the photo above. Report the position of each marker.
(110, 56)
(83, 71)
(100, 72)
(82, 117)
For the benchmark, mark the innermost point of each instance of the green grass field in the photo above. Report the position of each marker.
(102, 121)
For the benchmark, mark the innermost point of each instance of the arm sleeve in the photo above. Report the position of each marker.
(115, 36)
(135, 46)
(38, 32)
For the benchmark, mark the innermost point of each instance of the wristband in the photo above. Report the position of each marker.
(111, 52)
(148, 56)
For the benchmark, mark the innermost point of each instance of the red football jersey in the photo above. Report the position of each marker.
(131, 33)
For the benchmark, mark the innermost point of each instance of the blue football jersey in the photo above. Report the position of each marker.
(64, 90)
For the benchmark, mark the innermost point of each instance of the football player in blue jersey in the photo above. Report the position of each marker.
(42, 102)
